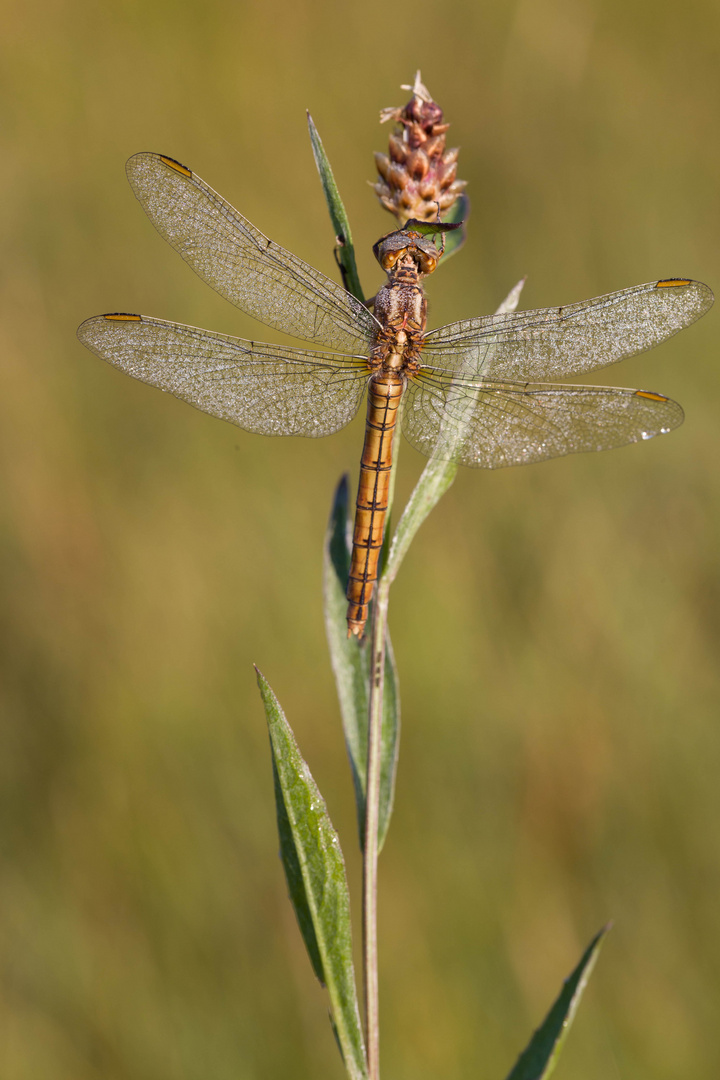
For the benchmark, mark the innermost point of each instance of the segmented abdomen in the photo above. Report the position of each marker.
(384, 397)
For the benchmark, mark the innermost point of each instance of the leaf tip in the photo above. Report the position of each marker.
(342, 496)
(262, 682)
(596, 941)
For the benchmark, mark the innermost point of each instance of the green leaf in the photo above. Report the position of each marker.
(440, 470)
(457, 214)
(540, 1058)
(344, 251)
(315, 873)
(351, 666)
(431, 228)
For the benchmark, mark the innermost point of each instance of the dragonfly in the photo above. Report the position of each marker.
(472, 390)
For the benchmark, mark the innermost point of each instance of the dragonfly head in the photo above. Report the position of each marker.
(405, 245)
(414, 244)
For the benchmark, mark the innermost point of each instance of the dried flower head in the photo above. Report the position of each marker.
(418, 176)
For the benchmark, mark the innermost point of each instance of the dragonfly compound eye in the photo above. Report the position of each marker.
(427, 260)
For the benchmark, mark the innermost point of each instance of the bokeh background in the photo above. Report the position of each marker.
(556, 627)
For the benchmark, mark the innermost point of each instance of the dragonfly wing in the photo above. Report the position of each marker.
(258, 276)
(502, 424)
(262, 388)
(568, 340)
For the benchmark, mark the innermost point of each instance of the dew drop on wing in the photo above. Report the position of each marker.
(665, 430)
(647, 434)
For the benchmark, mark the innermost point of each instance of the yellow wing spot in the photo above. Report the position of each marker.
(122, 316)
(673, 283)
(173, 164)
(650, 396)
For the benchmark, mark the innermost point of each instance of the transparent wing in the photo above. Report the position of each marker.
(568, 340)
(508, 423)
(262, 388)
(258, 276)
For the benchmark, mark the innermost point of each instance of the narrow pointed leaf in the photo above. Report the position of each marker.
(457, 214)
(344, 252)
(351, 666)
(433, 228)
(315, 874)
(540, 1058)
(438, 474)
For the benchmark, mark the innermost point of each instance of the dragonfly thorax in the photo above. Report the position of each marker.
(401, 310)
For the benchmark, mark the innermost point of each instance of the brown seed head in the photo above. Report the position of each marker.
(418, 176)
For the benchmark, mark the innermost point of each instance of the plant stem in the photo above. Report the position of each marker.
(370, 847)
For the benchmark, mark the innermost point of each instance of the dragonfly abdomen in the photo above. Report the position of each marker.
(384, 396)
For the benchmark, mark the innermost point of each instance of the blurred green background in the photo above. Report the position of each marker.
(556, 627)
